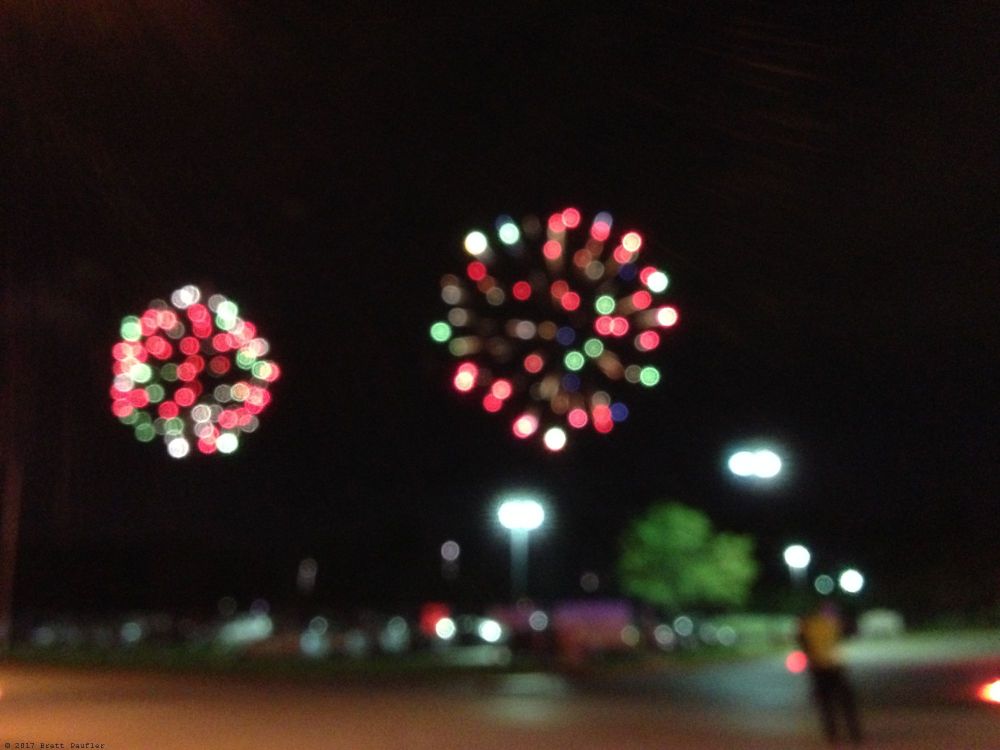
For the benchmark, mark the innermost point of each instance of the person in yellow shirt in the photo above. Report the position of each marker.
(820, 635)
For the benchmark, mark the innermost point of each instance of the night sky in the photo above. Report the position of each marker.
(820, 184)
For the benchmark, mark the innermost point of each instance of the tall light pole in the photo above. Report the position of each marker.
(520, 516)
(797, 559)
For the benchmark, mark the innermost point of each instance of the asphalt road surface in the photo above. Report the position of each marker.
(913, 698)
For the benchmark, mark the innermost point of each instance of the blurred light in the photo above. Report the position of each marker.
(763, 464)
(824, 584)
(440, 332)
(552, 250)
(445, 628)
(851, 581)
(245, 630)
(538, 621)
(490, 631)
(768, 464)
(319, 624)
(796, 662)
(465, 377)
(647, 341)
(475, 243)
(555, 438)
(657, 281)
(605, 304)
(571, 218)
(131, 632)
(664, 636)
(649, 376)
(395, 637)
(450, 551)
(666, 316)
(491, 403)
(521, 290)
(525, 425)
(593, 347)
(630, 636)
(590, 582)
(501, 389)
(990, 692)
(524, 514)
(632, 241)
(574, 360)
(509, 233)
(619, 412)
(178, 447)
(476, 271)
(565, 335)
(796, 556)
(726, 636)
(570, 301)
(683, 626)
(577, 418)
(533, 363)
(227, 442)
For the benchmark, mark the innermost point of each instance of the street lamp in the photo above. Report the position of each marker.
(520, 516)
(851, 581)
(762, 463)
(797, 559)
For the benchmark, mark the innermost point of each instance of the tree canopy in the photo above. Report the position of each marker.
(673, 558)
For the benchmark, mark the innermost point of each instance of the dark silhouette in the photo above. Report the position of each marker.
(820, 634)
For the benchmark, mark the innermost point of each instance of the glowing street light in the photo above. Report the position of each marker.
(797, 559)
(851, 581)
(760, 464)
(520, 516)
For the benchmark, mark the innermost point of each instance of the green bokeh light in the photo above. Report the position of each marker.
(605, 304)
(174, 426)
(440, 331)
(509, 233)
(245, 359)
(131, 329)
(141, 372)
(155, 393)
(144, 433)
(169, 372)
(574, 360)
(649, 376)
(593, 347)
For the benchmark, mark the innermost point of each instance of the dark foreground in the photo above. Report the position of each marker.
(913, 697)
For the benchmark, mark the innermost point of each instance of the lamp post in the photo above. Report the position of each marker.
(797, 559)
(520, 516)
(762, 463)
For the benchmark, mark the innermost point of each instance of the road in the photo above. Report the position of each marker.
(912, 700)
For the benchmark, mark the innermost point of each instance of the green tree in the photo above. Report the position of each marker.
(673, 558)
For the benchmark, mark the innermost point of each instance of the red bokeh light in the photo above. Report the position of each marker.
(603, 325)
(577, 418)
(600, 230)
(184, 396)
(570, 301)
(642, 299)
(796, 662)
(168, 410)
(571, 218)
(491, 403)
(647, 341)
(521, 290)
(476, 270)
(533, 363)
(556, 225)
(552, 250)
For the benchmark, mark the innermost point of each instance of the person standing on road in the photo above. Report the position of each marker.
(820, 634)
